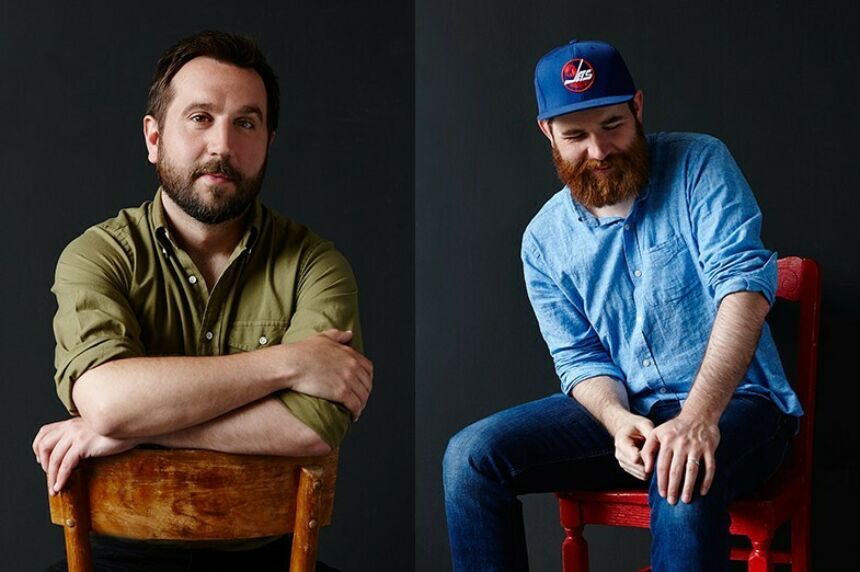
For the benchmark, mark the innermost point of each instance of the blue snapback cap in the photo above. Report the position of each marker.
(581, 75)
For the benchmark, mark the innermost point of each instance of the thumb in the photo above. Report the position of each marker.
(649, 450)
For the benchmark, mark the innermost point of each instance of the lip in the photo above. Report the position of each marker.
(216, 178)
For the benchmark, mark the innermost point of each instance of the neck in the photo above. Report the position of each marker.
(619, 209)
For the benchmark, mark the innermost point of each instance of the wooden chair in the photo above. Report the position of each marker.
(785, 498)
(188, 495)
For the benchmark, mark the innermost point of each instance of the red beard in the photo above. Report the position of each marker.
(629, 174)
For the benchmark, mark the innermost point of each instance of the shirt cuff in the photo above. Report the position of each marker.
(575, 376)
(327, 419)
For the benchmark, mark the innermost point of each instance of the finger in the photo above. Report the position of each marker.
(710, 471)
(364, 375)
(70, 461)
(57, 455)
(627, 451)
(664, 461)
(676, 477)
(648, 452)
(46, 445)
(690, 475)
(365, 364)
(645, 428)
(635, 470)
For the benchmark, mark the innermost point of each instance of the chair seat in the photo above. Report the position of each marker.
(765, 509)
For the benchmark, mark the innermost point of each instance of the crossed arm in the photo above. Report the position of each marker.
(677, 447)
(196, 402)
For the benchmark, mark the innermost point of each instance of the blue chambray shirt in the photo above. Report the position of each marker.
(635, 298)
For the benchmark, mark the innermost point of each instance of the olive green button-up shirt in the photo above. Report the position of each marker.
(124, 288)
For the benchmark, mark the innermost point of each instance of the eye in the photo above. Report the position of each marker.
(199, 118)
(245, 123)
(612, 126)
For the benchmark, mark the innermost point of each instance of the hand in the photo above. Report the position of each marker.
(330, 369)
(59, 447)
(683, 444)
(629, 438)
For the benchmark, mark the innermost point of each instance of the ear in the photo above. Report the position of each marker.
(546, 128)
(152, 137)
(272, 137)
(638, 103)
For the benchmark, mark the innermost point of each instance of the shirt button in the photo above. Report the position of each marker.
(626, 227)
(662, 390)
(263, 340)
(192, 279)
(637, 273)
(209, 335)
(646, 362)
(163, 251)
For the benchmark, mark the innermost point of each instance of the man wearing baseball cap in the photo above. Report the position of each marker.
(650, 284)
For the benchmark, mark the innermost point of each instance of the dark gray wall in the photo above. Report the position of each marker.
(74, 80)
(775, 80)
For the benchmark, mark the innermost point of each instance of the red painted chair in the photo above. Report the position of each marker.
(785, 498)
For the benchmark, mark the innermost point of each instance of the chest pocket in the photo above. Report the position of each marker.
(672, 271)
(246, 336)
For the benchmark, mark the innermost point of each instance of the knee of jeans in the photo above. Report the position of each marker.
(469, 453)
(683, 516)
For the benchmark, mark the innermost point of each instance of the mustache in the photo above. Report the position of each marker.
(217, 167)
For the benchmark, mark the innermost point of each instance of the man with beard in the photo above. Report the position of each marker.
(651, 286)
(160, 307)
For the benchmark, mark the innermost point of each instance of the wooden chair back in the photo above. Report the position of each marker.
(188, 495)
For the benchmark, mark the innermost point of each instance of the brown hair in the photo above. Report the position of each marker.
(227, 48)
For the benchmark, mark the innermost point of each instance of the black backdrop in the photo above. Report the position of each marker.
(775, 80)
(74, 81)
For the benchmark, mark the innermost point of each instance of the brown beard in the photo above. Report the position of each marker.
(631, 169)
(179, 186)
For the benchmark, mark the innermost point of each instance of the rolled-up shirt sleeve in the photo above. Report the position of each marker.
(327, 298)
(94, 322)
(575, 348)
(726, 223)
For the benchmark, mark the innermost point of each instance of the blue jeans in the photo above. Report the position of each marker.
(554, 444)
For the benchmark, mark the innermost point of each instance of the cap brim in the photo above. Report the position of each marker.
(590, 104)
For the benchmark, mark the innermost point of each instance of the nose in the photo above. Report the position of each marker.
(220, 139)
(599, 147)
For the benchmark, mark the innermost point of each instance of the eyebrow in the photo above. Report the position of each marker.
(205, 106)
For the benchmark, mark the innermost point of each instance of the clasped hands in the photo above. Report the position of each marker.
(678, 450)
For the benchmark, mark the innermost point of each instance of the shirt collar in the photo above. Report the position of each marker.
(249, 238)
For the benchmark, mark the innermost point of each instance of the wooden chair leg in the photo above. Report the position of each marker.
(800, 540)
(574, 550)
(76, 524)
(303, 557)
(760, 558)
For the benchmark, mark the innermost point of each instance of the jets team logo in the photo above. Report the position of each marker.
(577, 75)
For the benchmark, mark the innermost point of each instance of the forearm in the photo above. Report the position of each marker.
(155, 395)
(733, 341)
(264, 427)
(606, 399)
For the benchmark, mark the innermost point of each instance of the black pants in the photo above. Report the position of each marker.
(118, 555)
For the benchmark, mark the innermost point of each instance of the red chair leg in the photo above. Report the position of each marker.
(574, 550)
(800, 542)
(760, 559)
